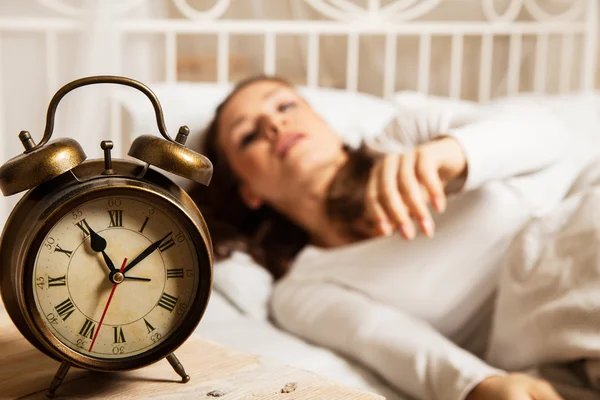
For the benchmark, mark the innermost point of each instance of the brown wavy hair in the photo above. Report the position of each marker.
(270, 238)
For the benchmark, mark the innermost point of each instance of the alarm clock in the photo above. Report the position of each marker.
(105, 264)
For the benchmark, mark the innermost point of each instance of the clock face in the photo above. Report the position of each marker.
(115, 277)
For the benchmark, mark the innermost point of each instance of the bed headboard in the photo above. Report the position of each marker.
(473, 49)
(544, 33)
(534, 39)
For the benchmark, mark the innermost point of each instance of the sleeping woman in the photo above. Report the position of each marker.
(389, 253)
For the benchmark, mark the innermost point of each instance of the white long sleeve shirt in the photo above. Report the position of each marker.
(416, 311)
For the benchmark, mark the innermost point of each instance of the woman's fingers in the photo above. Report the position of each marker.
(399, 189)
(375, 211)
(390, 198)
(427, 174)
(410, 189)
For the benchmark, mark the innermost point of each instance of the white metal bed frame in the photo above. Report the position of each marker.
(399, 18)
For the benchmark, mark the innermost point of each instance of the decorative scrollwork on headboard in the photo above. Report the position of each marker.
(399, 10)
(215, 12)
(572, 13)
(65, 8)
(349, 11)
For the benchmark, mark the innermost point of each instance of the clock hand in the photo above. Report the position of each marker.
(149, 250)
(98, 242)
(99, 245)
(108, 262)
(133, 278)
(106, 307)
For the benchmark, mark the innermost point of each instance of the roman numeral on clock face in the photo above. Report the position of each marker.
(61, 250)
(65, 309)
(118, 333)
(60, 281)
(149, 327)
(116, 218)
(175, 273)
(88, 328)
(166, 244)
(167, 302)
(82, 225)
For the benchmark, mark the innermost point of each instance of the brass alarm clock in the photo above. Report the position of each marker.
(105, 264)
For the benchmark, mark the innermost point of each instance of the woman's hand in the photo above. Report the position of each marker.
(401, 186)
(513, 387)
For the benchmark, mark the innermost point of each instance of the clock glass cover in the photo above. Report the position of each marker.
(115, 276)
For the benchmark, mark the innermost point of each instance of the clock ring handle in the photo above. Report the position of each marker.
(93, 80)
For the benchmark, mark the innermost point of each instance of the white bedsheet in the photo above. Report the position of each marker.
(224, 324)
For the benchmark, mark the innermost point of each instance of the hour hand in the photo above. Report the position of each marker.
(108, 261)
(99, 245)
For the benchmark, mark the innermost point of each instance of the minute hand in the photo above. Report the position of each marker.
(149, 250)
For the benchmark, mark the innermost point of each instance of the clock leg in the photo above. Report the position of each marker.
(58, 378)
(172, 359)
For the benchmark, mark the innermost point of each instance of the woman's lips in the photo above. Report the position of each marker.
(286, 142)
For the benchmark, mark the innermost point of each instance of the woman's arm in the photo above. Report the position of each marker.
(408, 353)
(501, 140)
(510, 139)
(431, 153)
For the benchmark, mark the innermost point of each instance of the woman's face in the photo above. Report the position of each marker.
(275, 142)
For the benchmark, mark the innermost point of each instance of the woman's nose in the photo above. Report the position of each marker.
(271, 127)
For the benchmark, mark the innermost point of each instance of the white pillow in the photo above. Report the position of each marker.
(353, 115)
(245, 284)
(417, 101)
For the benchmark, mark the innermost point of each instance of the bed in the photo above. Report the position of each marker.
(360, 60)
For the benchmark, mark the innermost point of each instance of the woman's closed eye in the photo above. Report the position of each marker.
(286, 106)
(247, 138)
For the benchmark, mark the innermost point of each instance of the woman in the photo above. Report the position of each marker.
(339, 228)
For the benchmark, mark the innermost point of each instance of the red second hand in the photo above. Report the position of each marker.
(106, 307)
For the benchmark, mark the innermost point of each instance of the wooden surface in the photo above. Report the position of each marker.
(25, 373)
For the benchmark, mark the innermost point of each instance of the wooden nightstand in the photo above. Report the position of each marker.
(216, 372)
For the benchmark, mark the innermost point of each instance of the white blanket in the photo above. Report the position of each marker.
(548, 305)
